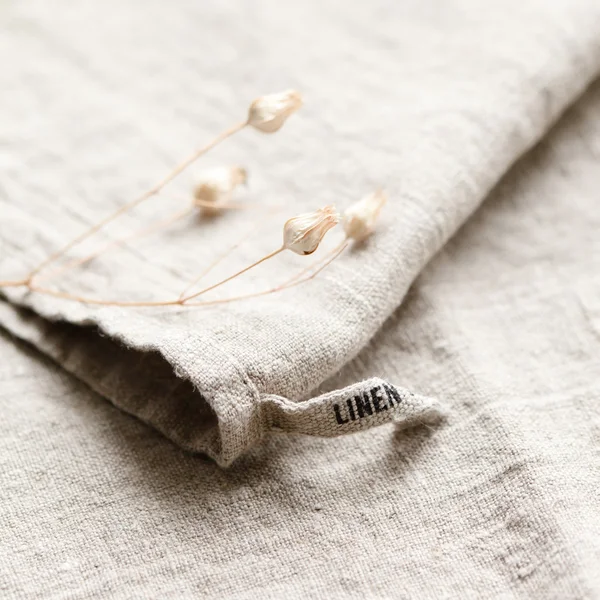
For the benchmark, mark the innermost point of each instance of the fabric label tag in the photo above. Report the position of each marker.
(357, 407)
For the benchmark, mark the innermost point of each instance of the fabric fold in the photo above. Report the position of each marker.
(478, 88)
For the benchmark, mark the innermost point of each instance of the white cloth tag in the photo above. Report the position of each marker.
(354, 408)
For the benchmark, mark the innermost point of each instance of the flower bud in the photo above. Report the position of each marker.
(215, 186)
(269, 113)
(303, 234)
(360, 218)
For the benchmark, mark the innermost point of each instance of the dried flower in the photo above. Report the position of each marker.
(153, 191)
(269, 113)
(360, 218)
(214, 188)
(303, 234)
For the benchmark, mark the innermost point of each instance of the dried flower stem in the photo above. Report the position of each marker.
(301, 234)
(328, 259)
(152, 228)
(228, 206)
(96, 301)
(227, 279)
(15, 283)
(115, 243)
(145, 196)
(325, 260)
(294, 281)
(217, 261)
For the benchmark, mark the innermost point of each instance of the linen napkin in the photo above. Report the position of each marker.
(432, 102)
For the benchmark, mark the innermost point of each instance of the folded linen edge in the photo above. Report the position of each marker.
(243, 415)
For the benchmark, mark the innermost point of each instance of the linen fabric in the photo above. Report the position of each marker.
(432, 103)
(485, 300)
(500, 501)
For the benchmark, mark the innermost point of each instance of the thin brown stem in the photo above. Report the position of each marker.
(224, 281)
(331, 256)
(225, 206)
(294, 281)
(325, 261)
(96, 301)
(307, 269)
(145, 196)
(118, 242)
(222, 257)
(15, 283)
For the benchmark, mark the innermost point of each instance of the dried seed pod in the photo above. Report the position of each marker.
(215, 187)
(360, 218)
(303, 234)
(269, 113)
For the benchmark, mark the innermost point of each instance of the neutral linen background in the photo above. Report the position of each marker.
(500, 501)
(433, 103)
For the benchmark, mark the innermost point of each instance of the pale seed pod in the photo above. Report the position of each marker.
(303, 234)
(269, 113)
(214, 188)
(360, 219)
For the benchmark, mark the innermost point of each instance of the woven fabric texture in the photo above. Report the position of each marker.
(499, 502)
(434, 104)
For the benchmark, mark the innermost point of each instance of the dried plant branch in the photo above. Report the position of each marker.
(180, 301)
(324, 262)
(266, 114)
(96, 301)
(227, 279)
(145, 196)
(217, 261)
(359, 223)
(15, 283)
(152, 228)
(228, 206)
(116, 243)
(301, 234)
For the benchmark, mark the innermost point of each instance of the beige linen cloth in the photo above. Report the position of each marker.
(433, 101)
